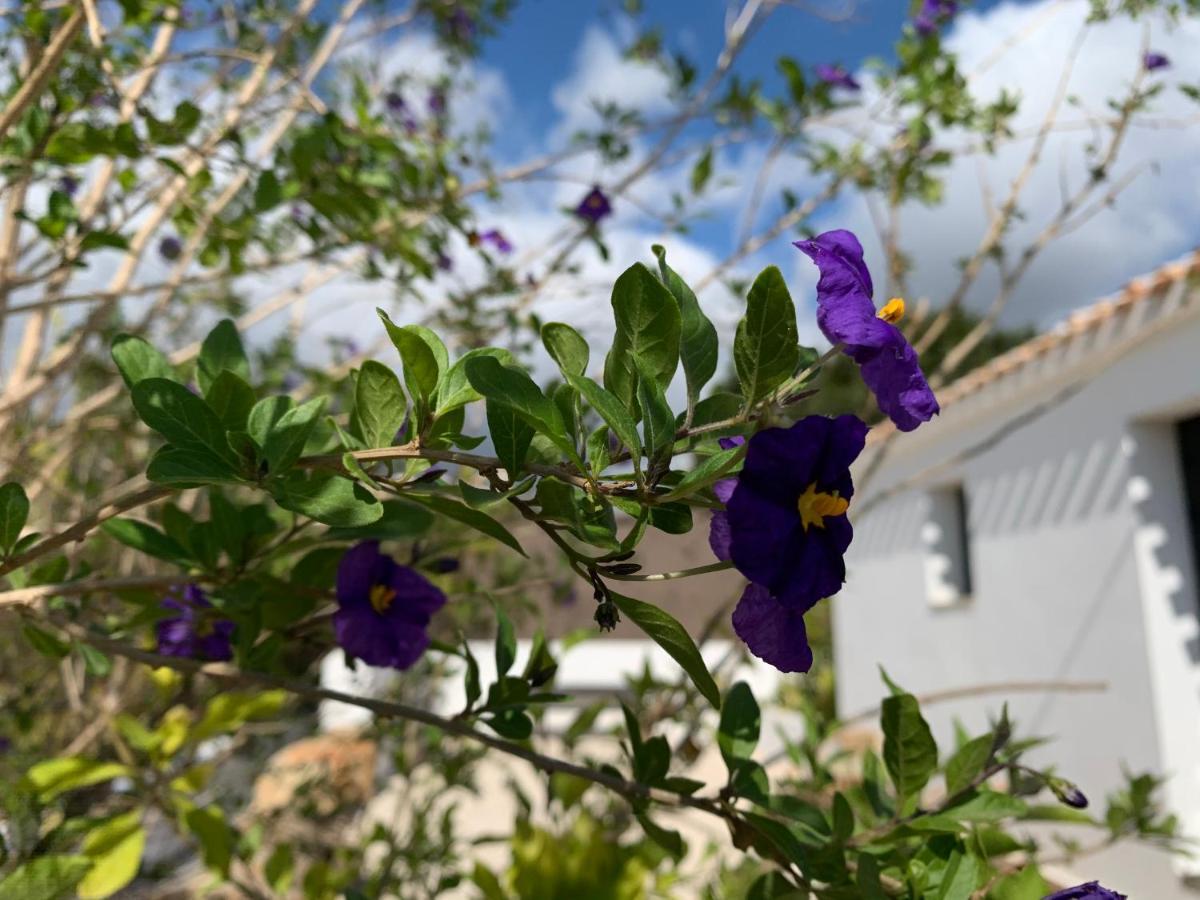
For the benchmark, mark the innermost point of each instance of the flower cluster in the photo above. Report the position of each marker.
(933, 14)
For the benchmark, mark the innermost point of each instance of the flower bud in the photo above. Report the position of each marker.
(1067, 793)
(607, 616)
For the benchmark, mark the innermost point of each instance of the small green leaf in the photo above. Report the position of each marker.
(967, 763)
(658, 422)
(216, 838)
(765, 352)
(702, 170)
(400, 522)
(181, 417)
(666, 631)
(460, 512)
(511, 436)
(187, 466)
(987, 806)
(648, 325)
(741, 719)
(423, 357)
(222, 351)
(959, 879)
(328, 498)
(697, 336)
(145, 538)
(264, 415)
(668, 840)
(566, 347)
(137, 360)
(379, 403)
(44, 642)
(515, 389)
(57, 776)
(287, 437)
(909, 751)
(115, 849)
(506, 642)
(455, 390)
(231, 399)
(14, 512)
(1027, 884)
(711, 469)
(615, 416)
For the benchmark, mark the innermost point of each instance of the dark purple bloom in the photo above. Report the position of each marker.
(297, 213)
(1090, 891)
(1154, 61)
(594, 207)
(786, 513)
(444, 262)
(496, 239)
(383, 608)
(934, 14)
(5, 744)
(198, 631)
(169, 248)
(68, 184)
(394, 101)
(437, 101)
(773, 631)
(837, 76)
(846, 315)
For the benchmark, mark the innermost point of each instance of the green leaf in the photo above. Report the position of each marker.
(666, 631)
(702, 170)
(56, 776)
(43, 641)
(958, 881)
(615, 416)
(222, 351)
(94, 661)
(279, 869)
(741, 719)
(697, 335)
(419, 354)
(287, 437)
(711, 469)
(909, 751)
(267, 193)
(228, 712)
(668, 840)
(187, 466)
(870, 885)
(658, 422)
(264, 415)
(14, 512)
(987, 806)
(216, 837)
(648, 325)
(513, 388)
(379, 403)
(115, 849)
(231, 399)
(765, 352)
(472, 518)
(455, 390)
(136, 360)
(145, 538)
(1028, 884)
(45, 878)
(566, 347)
(511, 436)
(400, 522)
(506, 642)
(181, 417)
(328, 498)
(967, 763)
(843, 818)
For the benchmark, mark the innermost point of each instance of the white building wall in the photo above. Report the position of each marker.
(1081, 571)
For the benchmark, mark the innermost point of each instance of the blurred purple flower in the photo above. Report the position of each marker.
(495, 238)
(594, 207)
(68, 184)
(1090, 891)
(1153, 61)
(437, 102)
(934, 14)
(394, 101)
(837, 76)
(198, 631)
(444, 262)
(384, 608)
(169, 248)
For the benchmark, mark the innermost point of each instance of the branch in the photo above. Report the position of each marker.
(38, 78)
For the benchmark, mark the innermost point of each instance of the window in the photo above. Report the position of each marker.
(946, 536)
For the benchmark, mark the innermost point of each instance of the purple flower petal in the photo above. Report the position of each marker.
(594, 207)
(1090, 891)
(773, 632)
(728, 443)
(719, 536)
(1153, 61)
(836, 76)
(198, 632)
(357, 572)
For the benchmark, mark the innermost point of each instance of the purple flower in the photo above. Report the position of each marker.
(169, 248)
(594, 207)
(437, 101)
(198, 631)
(837, 76)
(461, 25)
(1090, 891)
(728, 443)
(444, 262)
(394, 101)
(1153, 61)
(846, 315)
(383, 608)
(786, 512)
(5, 744)
(68, 184)
(934, 14)
(495, 238)
(772, 631)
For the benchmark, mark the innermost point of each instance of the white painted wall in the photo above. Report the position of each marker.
(1082, 571)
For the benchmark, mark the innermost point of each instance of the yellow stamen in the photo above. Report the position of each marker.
(893, 310)
(381, 597)
(815, 506)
